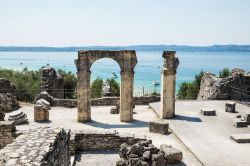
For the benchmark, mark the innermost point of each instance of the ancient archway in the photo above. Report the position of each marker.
(126, 60)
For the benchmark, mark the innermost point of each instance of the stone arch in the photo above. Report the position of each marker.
(126, 60)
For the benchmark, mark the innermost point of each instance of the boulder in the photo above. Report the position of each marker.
(240, 122)
(158, 159)
(230, 107)
(160, 127)
(122, 162)
(172, 155)
(8, 102)
(44, 103)
(208, 112)
(19, 117)
(116, 109)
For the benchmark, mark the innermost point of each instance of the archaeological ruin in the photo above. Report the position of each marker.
(126, 60)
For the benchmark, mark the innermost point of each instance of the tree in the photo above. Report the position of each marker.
(224, 73)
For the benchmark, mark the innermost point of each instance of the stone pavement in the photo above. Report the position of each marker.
(103, 120)
(208, 137)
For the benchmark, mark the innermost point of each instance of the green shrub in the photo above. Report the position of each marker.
(224, 73)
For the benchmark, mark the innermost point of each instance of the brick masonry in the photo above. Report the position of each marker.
(7, 133)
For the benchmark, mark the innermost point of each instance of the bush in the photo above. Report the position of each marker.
(70, 82)
(224, 73)
(190, 90)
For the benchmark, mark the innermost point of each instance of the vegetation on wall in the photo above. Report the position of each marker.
(190, 90)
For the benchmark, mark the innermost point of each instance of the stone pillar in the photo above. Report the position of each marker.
(168, 77)
(83, 91)
(126, 96)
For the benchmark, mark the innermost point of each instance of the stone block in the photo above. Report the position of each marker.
(172, 155)
(41, 114)
(208, 112)
(114, 110)
(230, 107)
(240, 122)
(248, 118)
(160, 127)
(241, 138)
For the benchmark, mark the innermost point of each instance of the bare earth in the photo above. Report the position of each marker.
(103, 120)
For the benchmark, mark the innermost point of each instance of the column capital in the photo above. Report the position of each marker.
(170, 61)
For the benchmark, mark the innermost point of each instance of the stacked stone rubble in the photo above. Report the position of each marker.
(52, 82)
(234, 87)
(145, 154)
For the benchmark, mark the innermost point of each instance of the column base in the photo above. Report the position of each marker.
(83, 117)
(126, 115)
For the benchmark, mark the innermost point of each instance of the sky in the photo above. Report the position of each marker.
(123, 22)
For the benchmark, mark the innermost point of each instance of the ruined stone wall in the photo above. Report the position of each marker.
(235, 87)
(7, 133)
(6, 86)
(70, 103)
(52, 82)
(99, 141)
(41, 146)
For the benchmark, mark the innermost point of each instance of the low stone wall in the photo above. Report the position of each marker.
(100, 141)
(7, 133)
(70, 103)
(41, 146)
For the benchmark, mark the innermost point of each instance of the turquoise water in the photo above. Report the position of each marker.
(147, 70)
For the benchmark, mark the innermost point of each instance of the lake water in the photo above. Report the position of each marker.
(147, 70)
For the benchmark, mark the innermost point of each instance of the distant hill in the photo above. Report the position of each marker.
(214, 48)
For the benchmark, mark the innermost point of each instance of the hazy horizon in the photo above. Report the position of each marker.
(124, 23)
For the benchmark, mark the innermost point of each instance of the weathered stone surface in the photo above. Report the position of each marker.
(208, 112)
(230, 107)
(172, 155)
(46, 96)
(241, 138)
(116, 109)
(8, 102)
(248, 118)
(144, 153)
(41, 146)
(52, 82)
(126, 60)
(168, 79)
(240, 122)
(7, 133)
(43, 103)
(6, 86)
(122, 162)
(19, 117)
(41, 114)
(234, 87)
(2, 115)
(160, 127)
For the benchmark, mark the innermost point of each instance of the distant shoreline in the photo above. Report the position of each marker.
(214, 48)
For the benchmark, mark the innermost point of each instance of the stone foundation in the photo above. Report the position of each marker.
(107, 101)
(41, 146)
(7, 133)
(99, 141)
(160, 127)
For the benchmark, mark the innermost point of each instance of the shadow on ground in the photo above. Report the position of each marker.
(133, 124)
(187, 118)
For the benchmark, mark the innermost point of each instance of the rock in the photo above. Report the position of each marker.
(147, 155)
(145, 143)
(208, 112)
(237, 72)
(52, 83)
(172, 155)
(122, 162)
(8, 102)
(230, 107)
(158, 159)
(123, 151)
(152, 149)
(136, 149)
(114, 110)
(137, 162)
(2, 115)
(160, 127)
(44, 103)
(46, 96)
(240, 122)
(19, 117)
(6, 86)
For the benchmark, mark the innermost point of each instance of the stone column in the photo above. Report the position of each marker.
(126, 96)
(83, 92)
(168, 77)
